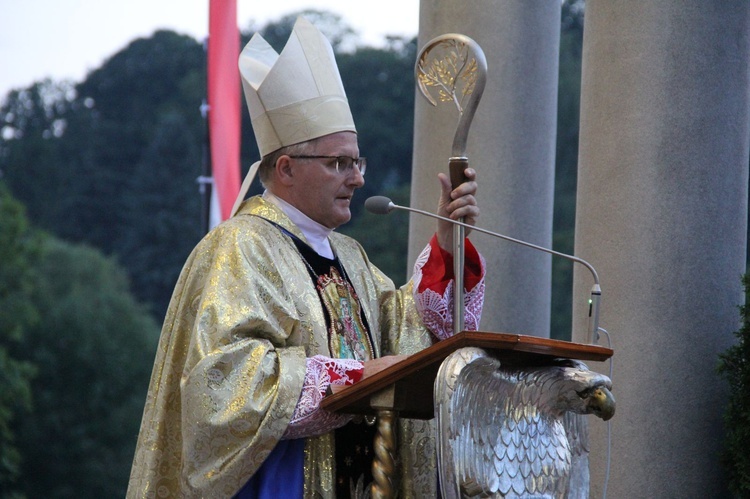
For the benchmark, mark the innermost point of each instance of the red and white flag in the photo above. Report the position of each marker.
(224, 107)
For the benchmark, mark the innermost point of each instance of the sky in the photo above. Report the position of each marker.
(65, 39)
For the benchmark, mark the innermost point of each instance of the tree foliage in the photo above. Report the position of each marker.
(380, 88)
(104, 162)
(735, 368)
(566, 165)
(93, 346)
(19, 250)
(340, 35)
(387, 253)
(33, 160)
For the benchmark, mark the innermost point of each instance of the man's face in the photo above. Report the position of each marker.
(319, 191)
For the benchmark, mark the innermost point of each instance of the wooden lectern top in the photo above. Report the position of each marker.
(413, 377)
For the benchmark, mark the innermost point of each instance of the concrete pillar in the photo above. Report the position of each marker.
(662, 215)
(511, 144)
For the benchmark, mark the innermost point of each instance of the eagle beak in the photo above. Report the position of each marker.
(602, 403)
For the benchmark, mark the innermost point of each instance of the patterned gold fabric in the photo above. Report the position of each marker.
(231, 359)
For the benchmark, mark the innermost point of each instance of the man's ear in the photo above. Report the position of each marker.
(284, 170)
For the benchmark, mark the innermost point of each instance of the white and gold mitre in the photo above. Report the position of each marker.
(297, 95)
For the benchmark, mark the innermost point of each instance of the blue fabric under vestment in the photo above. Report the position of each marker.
(282, 474)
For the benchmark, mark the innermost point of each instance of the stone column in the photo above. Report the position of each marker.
(511, 145)
(662, 215)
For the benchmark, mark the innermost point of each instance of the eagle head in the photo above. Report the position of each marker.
(580, 390)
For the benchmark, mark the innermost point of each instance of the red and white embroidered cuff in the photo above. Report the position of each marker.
(309, 419)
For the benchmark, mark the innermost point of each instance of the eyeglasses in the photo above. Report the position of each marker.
(343, 164)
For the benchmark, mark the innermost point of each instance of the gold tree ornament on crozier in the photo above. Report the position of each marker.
(450, 68)
(455, 68)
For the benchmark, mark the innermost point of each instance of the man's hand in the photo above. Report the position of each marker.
(374, 366)
(454, 204)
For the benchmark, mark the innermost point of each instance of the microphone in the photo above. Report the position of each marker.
(381, 205)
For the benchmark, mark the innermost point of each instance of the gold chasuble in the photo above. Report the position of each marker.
(244, 316)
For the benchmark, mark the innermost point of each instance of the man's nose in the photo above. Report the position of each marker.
(355, 177)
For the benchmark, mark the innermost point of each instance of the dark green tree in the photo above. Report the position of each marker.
(19, 250)
(341, 36)
(385, 238)
(566, 165)
(380, 87)
(128, 98)
(91, 160)
(94, 348)
(32, 156)
(734, 366)
(162, 211)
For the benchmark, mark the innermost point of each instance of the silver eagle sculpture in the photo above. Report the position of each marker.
(514, 431)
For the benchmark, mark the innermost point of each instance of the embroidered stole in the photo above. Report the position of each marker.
(348, 338)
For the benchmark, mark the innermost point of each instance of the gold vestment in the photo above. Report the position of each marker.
(230, 363)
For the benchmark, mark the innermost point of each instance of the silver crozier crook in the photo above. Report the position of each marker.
(454, 67)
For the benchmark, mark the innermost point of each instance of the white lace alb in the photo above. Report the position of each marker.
(309, 419)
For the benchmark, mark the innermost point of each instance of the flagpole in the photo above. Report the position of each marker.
(205, 181)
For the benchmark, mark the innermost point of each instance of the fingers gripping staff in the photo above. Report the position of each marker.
(452, 68)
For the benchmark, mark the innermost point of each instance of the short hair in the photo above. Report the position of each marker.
(268, 163)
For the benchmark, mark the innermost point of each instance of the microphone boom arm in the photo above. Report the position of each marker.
(383, 205)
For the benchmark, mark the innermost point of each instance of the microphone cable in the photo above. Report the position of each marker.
(609, 423)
